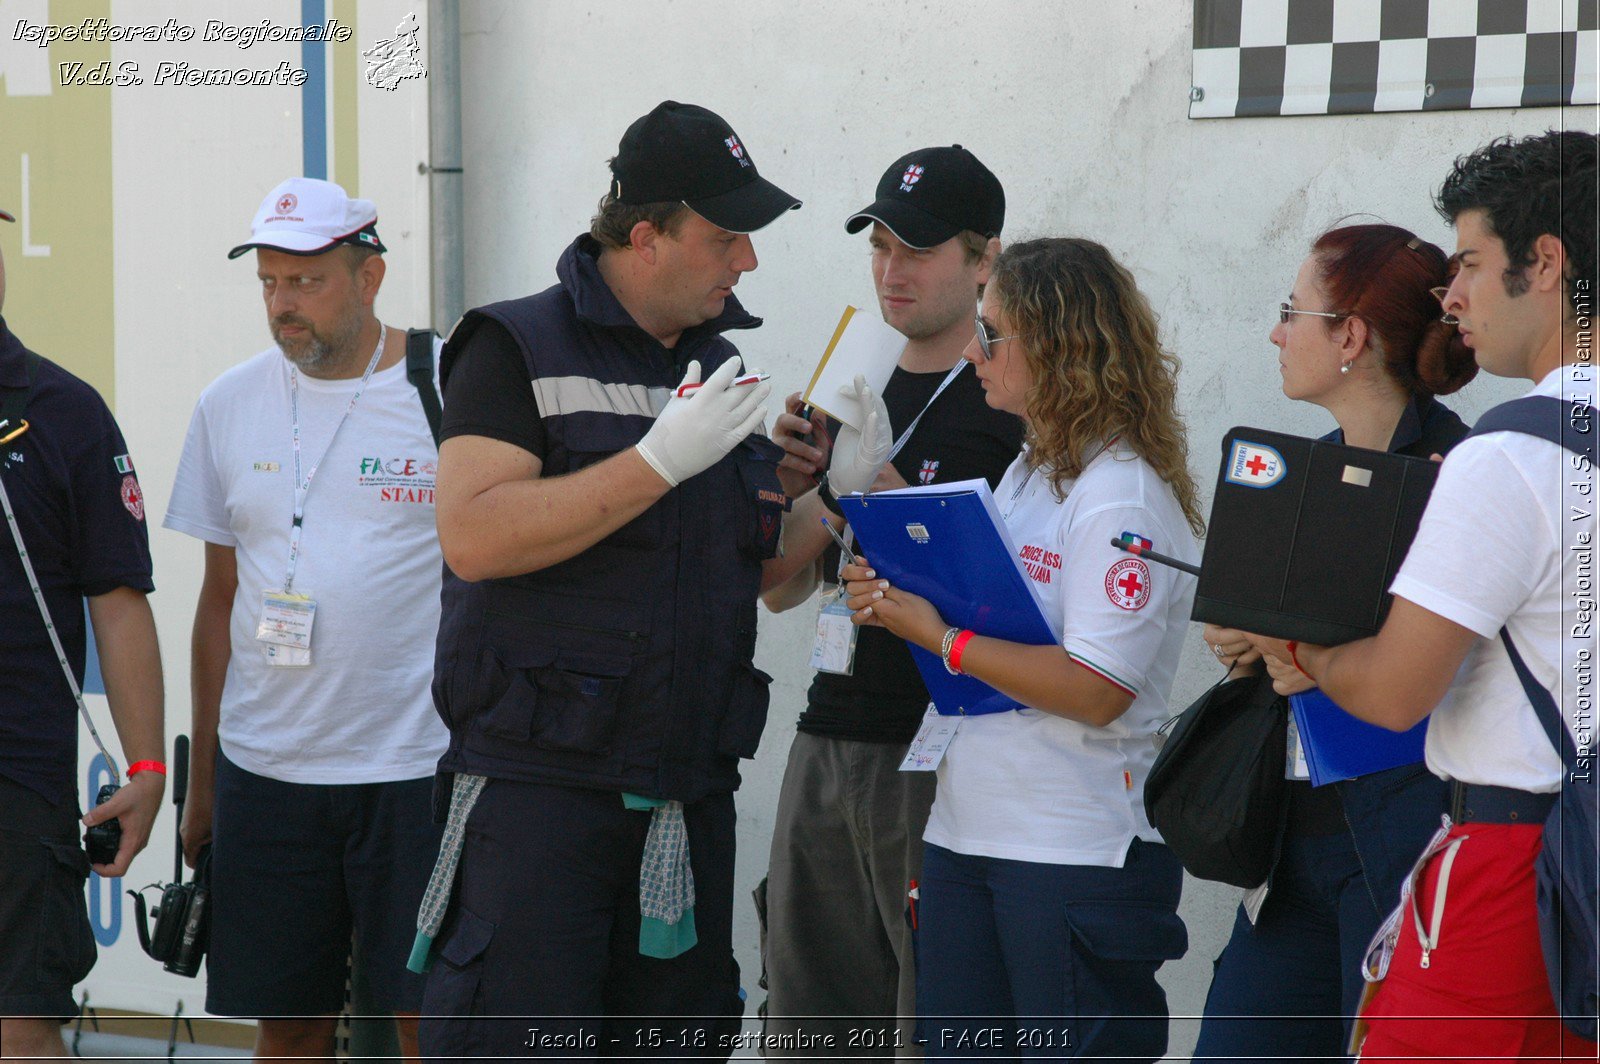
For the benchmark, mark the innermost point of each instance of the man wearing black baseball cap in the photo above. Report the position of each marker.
(606, 507)
(847, 838)
(71, 498)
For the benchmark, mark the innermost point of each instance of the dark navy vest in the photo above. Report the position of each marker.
(627, 667)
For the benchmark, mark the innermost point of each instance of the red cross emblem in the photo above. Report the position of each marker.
(1128, 584)
(928, 470)
(1253, 465)
(287, 202)
(912, 175)
(132, 497)
(732, 141)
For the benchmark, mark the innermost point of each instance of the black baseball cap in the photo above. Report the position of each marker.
(680, 152)
(930, 195)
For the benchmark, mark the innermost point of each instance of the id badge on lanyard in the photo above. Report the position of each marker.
(835, 647)
(933, 738)
(287, 615)
(285, 627)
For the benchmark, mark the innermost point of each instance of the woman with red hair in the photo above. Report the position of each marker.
(1362, 336)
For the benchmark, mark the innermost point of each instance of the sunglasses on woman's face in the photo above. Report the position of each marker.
(986, 342)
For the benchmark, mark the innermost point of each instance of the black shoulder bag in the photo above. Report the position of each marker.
(1217, 791)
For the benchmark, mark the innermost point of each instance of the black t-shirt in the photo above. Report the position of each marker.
(960, 438)
(81, 513)
(489, 393)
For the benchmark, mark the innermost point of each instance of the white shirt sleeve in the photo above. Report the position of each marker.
(198, 506)
(1484, 542)
(1116, 604)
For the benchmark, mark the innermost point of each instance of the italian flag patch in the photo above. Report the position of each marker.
(124, 463)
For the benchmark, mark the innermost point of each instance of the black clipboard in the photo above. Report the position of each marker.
(1306, 536)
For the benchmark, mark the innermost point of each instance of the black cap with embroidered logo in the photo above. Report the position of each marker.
(681, 152)
(930, 195)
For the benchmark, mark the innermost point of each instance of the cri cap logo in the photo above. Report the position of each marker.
(287, 202)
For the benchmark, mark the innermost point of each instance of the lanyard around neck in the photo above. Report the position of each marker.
(955, 371)
(302, 487)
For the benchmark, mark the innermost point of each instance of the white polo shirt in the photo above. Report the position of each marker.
(1508, 539)
(1031, 786)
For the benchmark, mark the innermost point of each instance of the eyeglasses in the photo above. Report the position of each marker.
(1440, 293)
(1285, 309)
(985, 341)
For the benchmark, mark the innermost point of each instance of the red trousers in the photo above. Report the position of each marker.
(1484, 995)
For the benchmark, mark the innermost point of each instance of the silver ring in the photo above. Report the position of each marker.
(1216, 648)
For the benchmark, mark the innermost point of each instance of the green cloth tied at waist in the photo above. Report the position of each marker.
(436, 899)
(666, 881)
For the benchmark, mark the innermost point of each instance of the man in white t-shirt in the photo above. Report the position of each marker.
(1507, 541)
(309, 474)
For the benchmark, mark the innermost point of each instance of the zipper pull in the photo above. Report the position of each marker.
(1425, 953)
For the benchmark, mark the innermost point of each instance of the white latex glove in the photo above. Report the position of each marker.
(692, 433)
(857, 455)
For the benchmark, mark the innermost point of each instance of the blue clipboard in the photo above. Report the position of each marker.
(948, 543)
(1341, 747)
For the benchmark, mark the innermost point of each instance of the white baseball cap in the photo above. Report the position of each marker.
(305, 216)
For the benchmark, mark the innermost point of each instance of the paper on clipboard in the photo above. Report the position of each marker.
(863, 345)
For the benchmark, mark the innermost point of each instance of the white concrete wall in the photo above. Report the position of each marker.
(1080, 108)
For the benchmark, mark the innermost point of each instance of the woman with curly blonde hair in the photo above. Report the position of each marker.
(1048, 901)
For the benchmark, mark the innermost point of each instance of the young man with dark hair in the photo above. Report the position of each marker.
(847, 839)
(1507, 542)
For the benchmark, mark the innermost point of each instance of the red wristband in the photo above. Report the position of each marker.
(957, 646)
(1294, 658)
(146, 766)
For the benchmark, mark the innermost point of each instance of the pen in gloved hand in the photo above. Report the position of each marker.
(686, 390)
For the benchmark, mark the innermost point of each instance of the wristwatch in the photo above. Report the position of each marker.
(829, 499)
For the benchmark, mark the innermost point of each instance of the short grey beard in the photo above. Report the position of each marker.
(317, 354)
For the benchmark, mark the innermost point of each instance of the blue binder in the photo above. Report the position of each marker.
(948, 543)
(1341, 747)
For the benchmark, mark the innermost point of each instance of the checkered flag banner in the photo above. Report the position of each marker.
(1313, 57)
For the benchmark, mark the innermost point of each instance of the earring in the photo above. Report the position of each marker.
(1345, 368)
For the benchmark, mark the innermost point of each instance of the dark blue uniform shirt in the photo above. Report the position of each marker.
(81, 512)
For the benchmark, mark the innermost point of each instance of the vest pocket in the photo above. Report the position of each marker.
(556, 703)
(740, 734)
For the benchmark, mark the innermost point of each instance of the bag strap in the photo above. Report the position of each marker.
(1543, 416)
(1546, 418)
(1544, 706)
(419, 371)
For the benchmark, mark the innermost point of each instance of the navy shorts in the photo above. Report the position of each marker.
(295, 868)
(46, 944)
